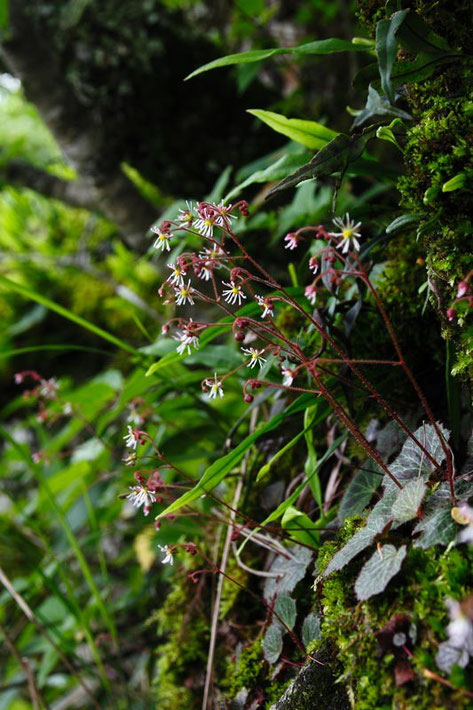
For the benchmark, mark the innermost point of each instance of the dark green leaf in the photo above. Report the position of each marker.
(335, 157)
(408, 500)
(437, 528)
(378, 571)
(405, 220)
(360, 490)
(386, 49)
(285, 608)
(415, 35)
(375, 524)
(272, 644)
(377, 105)
(288, 571)
(310, 629)
(412, 461)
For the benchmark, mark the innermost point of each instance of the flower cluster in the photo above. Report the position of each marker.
(193, 278)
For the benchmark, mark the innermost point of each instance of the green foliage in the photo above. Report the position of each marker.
(418, 591)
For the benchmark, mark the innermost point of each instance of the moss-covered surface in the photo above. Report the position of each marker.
(418, 592)
(184, 622)
(438, 148)
(315, 687)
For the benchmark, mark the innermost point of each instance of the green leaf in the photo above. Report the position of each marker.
(310, 467)
(420, 68)
(455, 183)
(334, 157)
(324, 46)
(386, 49)
(405, 220)
(377, 105)
(412, 462)
(309, 422)
(360, 490)
(311, 629)
(219, 469)
(378, 571)
(282, 507)
(4, 14)
(436, 528)
(376, 522)
(32, 295)
(288, 571)
(285, 608)
(272, 644)
(308, 133)
(285, 165)
(408, 501)
(415, 35)
(300, 527)
(405, 72)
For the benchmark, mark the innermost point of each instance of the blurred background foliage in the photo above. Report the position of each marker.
(80, 557)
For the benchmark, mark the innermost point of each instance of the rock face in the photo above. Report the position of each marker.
(314, 688)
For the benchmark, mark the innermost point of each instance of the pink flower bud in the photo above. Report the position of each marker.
(249, 398)
(462, 289)
(451, 314)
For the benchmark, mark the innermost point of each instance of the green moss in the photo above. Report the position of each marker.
(247, 671)
(427, 577)
(183, 656)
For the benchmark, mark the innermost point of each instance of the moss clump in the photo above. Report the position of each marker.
(438, 148)
(183, 656)
(249, 670)
(419, 591)
(246, 671)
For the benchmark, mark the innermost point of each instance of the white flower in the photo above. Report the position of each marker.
(255, 356)
(211, 254)
(49, 388)
(311, 293)
(134, 417)
(162, 240)
(177, 276)
(131, 440)
(184, 294)
(168, 556)
(348, 234)
(141, 495)
(288, 376)
(205, 223)
(267, 306)
(291, 240)
(129, 459)
(215, 387)
(313, 264)
(460, 628)
(187, 341)
(224, 215)
(186, 216)
(233, 293)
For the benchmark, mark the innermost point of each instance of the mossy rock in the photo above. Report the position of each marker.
(315, 688)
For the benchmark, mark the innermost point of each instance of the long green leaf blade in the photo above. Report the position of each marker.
(323, 46)
(308, 133)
